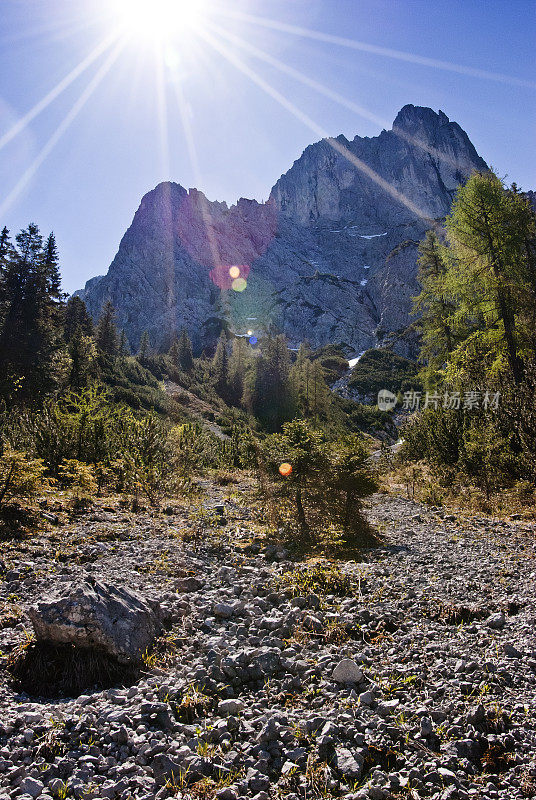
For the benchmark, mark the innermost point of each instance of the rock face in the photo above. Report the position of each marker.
(331, 257)
(96, 615)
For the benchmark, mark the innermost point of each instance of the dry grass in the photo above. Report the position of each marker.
(420, 482)
(10, 615)
(321, 578)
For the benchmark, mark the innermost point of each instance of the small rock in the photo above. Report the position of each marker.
(223, 610)
(347, 765)
(366, 698)
(347, 671)
(32, 787)
(511, 651)
(189, 584)
(230, 706)
(426, 726)
(387, 707)
(496, 621)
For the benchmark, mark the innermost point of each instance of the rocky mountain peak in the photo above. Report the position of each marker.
(331, 257)
(412, 119)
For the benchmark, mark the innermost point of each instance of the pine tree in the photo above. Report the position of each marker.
(5, 243)
(301, 379)
(180, 352)
(185, 354)
(6, 252)
(50, 269)
(239, 364)
(144, 348)
(220, 367)
(76, 315)
(82, 353)
(106, 337)
(273, 400)
(319, 392)
(124, 347)
(30, 338)
(434, 304)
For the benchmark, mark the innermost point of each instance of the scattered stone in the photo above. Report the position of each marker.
(250, 697)
(347, 671)
(496, 621)
(511, 651)
(231, 706)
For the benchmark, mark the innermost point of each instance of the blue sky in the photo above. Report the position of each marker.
(84, 177)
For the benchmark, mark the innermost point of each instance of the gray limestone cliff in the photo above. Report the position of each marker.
(331, 257)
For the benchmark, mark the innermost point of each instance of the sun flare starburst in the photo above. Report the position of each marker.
(159, 20)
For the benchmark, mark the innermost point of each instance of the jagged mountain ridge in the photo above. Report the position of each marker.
(331, 257)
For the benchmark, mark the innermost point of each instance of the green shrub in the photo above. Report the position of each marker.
(21, 476)
(319, 501)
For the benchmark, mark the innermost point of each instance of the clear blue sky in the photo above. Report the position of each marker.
(128, 134)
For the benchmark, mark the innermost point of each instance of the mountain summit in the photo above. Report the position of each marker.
(331, 257)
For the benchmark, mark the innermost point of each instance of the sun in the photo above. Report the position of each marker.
(159, 20)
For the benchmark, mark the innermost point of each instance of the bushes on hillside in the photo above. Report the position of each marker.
(383, 369)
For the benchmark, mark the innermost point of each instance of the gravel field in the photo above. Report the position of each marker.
(411, 674)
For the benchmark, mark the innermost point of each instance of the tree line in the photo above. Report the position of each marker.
(477, 319)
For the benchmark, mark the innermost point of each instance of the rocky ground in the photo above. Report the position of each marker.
(410, 674)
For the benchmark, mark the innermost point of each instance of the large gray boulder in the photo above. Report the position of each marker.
(99, 616)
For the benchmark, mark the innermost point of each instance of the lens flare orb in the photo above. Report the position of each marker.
(234, 272)
(239, 284)
(285, 469)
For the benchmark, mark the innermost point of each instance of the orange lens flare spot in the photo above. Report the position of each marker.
(234, 272)
(239, 284)
(285, 469)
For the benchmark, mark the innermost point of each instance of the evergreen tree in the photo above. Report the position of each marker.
(30, 336)
(319, 391)
(124, 347)
(492, 275)
(5, 243)
(434, 303)
(273, 400)
(220, 367)
(181, 353)
(144, 348)
(300, 378)
(6, 251)
(239, 364)
(106, 337)
(50, 273)
(76, 315)
(173, 352)
(81, 349)
(186, 358)
(309, 384)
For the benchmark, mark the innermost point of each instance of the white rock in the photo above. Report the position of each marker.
(230, 706)
(347, 671)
